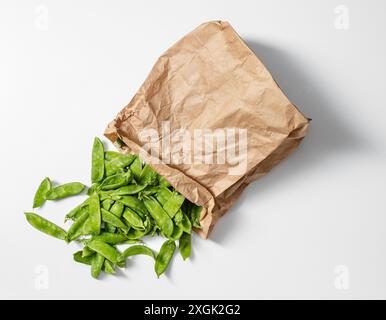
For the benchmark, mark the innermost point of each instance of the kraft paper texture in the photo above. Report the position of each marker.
(210, 79)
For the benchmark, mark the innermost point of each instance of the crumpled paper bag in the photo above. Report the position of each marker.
(210, 80)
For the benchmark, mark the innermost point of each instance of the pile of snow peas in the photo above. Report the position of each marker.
(127, 202)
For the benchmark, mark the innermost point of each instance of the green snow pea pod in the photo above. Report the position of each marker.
(186, 224)
(94, 188)
(196, 216)
(129, 190)
(162, 182)
(185, 245)
(75, 213)
(97, 265)
(86, 252)
(78, 257)
(137, 249)
(135, 204)
(93, 223)
(110, 155)
(164, 257)
(173, 204)
(135, 234)
(104, 249)
(110, 218)
(40, 195)
(112, 238)
(117, 209)
(148, 176)
(98, 161)
(136, 168)
(163, 195)
(115, 181)
(177, 233)
(107, 203)
(110, 228)
(65, 190)
(133, 219)
(45, 226)
(109, 267)
(119, 162)
(76, 229)
(159, 215)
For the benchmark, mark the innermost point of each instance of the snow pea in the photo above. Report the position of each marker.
(93, 223)
(110, 155)
(112, 238)
(177, 233)
(129, 190)
(76, 230)
(78, 257)
(117, 209)
(135, 204)
(148, 176)
(115, 181)
(110, 228)
(164, 257)
(173, 204)
(163, 195)
(135, 250)
(45, 226)
(75, 213)
(98, 161)
(97, 265)
(119, 162)
(40, 195)
(107, 203)
(133, 219)
(196, 216)
(86, 252)
(136, 168)
(65, 190)
(185, 245)
(162, 182)
(104, 249)
(110, 218)
(109, 267)
(182, 220)
(159, 215)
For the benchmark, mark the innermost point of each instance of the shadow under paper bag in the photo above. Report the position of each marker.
(210, 81)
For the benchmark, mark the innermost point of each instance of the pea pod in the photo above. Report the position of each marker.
(129, 190)
(110, 228)
(108, 217)
(163, 195)
(40, 195)
(45, 226)
(97, 265)
(110, 155)
(112, 238)
(159, 215)
(133, 219)
(78, 257)
(98, 161)
(107, 203)
(162, 182)
(135, 204)
(164, 257)
(115, 181)
(185, 245)
(184, 222)
(93, 223)
(104, 249)
(148, 176)
(119, 162)
(135, 250)
(109, 267)
(117, 209)
(65, 190)
(76, 230)
(177, 233)
(75, 213)
(136, 168)
(196, 216)
(86, 252)
(173, 204)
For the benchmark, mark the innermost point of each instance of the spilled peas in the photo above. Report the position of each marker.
(127, 202)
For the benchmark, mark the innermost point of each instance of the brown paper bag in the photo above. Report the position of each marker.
(211, 94)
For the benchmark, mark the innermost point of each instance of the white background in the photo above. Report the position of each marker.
(320, 211)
